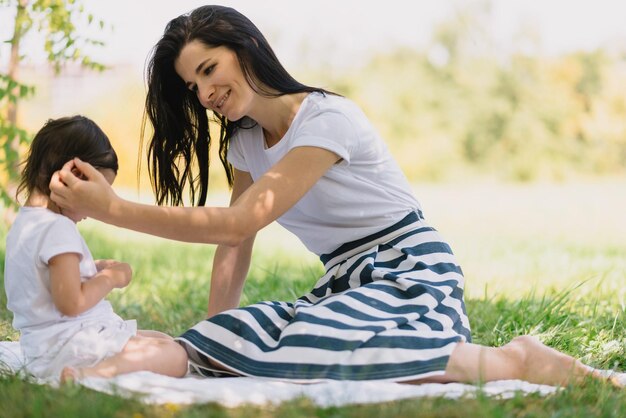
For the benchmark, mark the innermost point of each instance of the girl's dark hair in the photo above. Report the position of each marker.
(178, 152)
(59, 141)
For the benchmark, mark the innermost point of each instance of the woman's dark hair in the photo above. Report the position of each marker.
(59, 141)
(178, 152)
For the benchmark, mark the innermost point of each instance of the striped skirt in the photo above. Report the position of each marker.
(390, 307)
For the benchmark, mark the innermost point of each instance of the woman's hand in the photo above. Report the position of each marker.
(81, 191)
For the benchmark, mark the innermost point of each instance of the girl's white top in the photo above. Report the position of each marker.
(362, 194)
(35, 237)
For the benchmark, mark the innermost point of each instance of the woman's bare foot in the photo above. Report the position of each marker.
(618, 379)
(544, 365)
(524, 358)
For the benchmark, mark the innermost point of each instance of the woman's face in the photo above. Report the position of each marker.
(215, 75)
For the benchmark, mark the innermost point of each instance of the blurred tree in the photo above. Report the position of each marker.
(589, 85)
(520, 116)
(55, 21)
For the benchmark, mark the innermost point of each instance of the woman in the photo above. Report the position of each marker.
(390, 306)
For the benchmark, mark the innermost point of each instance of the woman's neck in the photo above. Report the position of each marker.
(276, 114)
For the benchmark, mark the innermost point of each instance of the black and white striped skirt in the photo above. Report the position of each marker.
(390, 307)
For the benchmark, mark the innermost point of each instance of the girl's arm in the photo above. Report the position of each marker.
(260, 204)
(231, 263)
(70, 296)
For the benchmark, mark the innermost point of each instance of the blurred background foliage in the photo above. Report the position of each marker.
(459, 108)
(55, 23)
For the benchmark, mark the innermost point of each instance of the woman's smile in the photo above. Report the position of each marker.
(222, 100)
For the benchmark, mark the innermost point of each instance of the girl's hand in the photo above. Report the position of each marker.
(103, 264)
(119, 273)
(81, 191)
(72, 296)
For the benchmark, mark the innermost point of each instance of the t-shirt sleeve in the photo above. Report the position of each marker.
(62, 237)
(329, 130)
(235, 154)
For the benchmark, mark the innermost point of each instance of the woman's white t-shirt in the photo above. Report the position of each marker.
(362, 194)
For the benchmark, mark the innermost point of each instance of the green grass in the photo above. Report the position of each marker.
(561, 282)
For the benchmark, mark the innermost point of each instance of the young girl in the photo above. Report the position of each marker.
(390, 305)
(54, 287)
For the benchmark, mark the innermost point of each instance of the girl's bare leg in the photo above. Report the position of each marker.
(524, 358)
(159, 354)
(153, 334)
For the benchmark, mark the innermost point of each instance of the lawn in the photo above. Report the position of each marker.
(544, 259)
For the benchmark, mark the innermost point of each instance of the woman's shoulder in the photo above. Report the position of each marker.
(331, 107)
(329, 102)
(336, 111)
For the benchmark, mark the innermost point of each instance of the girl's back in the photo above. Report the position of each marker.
(35, 237)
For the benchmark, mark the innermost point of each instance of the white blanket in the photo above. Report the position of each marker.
(237, 391)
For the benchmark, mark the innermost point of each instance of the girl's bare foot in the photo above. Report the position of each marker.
(70, 375)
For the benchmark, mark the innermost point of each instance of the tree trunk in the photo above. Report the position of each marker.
(14, 59)
(14, 63)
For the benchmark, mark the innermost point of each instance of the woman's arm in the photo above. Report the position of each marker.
(261, 203)
(70, 296)
(231, 263)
